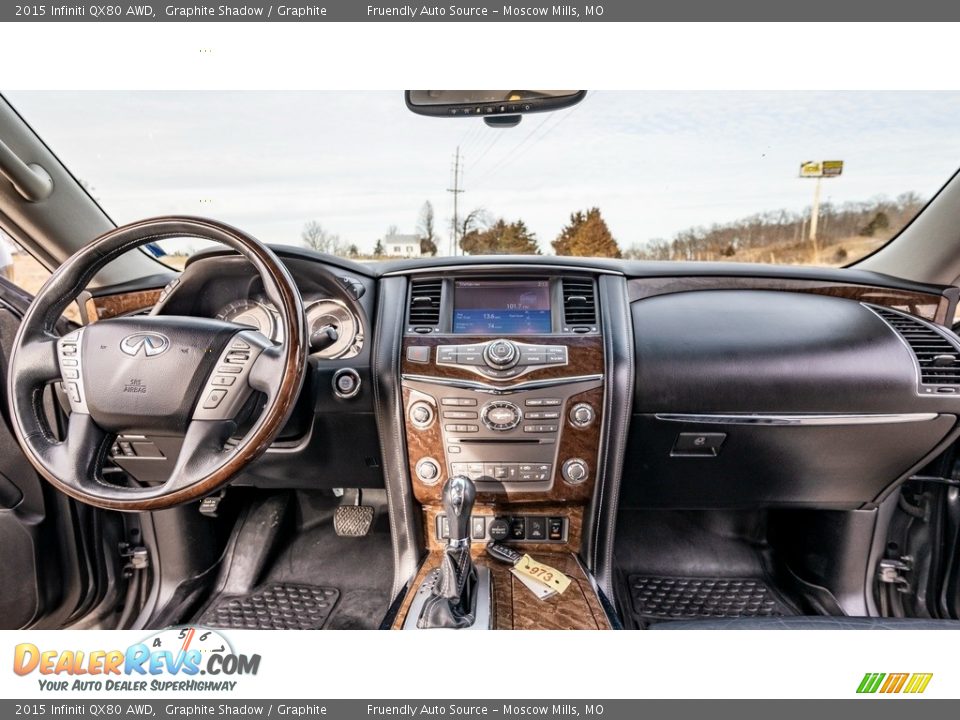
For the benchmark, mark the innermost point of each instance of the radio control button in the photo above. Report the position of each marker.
(501, 354)
(460, 414)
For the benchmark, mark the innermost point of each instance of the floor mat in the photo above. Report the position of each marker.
(663, 597)
(279, 606)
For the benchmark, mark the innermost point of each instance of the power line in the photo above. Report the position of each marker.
(517, 152)
(511, 152)
(497, 138)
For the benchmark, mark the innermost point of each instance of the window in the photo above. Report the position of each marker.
(25, 271)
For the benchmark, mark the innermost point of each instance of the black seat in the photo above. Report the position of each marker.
(801, 622)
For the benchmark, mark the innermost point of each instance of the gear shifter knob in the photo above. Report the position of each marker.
(459, 494)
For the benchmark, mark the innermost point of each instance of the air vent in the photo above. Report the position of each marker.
(424, 312)
(579, 303)
(937, 356)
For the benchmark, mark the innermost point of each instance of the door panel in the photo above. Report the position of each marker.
(45, 561)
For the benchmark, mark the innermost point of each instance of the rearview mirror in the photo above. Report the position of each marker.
(500, 107)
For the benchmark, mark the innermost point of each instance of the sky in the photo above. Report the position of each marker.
(655, 163)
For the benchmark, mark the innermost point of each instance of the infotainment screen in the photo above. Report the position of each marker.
(486, 307)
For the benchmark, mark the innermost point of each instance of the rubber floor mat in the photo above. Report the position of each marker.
(281, 606)
(689, 597)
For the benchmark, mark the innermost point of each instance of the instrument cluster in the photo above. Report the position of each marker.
(334, 330)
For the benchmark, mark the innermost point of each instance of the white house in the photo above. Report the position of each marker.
(407, 246)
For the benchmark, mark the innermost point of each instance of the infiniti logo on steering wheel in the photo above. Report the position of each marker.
(151, 343)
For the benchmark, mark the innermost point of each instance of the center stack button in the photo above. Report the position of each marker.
(501, 354)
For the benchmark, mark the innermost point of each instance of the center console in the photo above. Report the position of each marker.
(502, 380)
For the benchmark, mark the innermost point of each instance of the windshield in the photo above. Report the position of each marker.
(778, 177)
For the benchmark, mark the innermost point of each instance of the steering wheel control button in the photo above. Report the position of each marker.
(214, 399)
(421, 414)
(226, 389)
(428, 470)
(582, 415)
(71, 371)
(575, 471)
(698, 444)
(73, 392)
(501, 415)
(237, 358)
(346, 383)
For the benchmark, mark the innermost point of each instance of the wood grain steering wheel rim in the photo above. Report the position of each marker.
(277, 371)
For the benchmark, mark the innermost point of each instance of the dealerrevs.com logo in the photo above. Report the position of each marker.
(179, 659)
(892, 683)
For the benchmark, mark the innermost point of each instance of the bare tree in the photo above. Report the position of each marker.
(317, 238)
(426, 230)
(476, 219)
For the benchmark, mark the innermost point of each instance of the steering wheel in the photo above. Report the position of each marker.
(160, 375)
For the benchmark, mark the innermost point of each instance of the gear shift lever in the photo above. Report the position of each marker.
(452, 603)
(459, 494)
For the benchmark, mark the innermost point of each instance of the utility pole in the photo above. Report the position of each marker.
(818, 170)
(814, 219)
(456, 190)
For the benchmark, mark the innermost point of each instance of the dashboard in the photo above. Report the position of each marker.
(563, 387)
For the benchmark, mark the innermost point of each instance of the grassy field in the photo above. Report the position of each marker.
(835, 254)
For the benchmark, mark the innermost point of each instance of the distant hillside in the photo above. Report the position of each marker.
(845, 233)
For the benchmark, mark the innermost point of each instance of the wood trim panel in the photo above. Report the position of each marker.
(516, 608)
(109, 306)
(926, 305)
(584, 357)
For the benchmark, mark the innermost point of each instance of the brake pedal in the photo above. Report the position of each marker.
(353, 520)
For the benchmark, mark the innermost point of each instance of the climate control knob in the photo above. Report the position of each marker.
(428, 470)
(501, 354)
(501, 415)
(581, 415)
(421, 414)
(575, 471)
